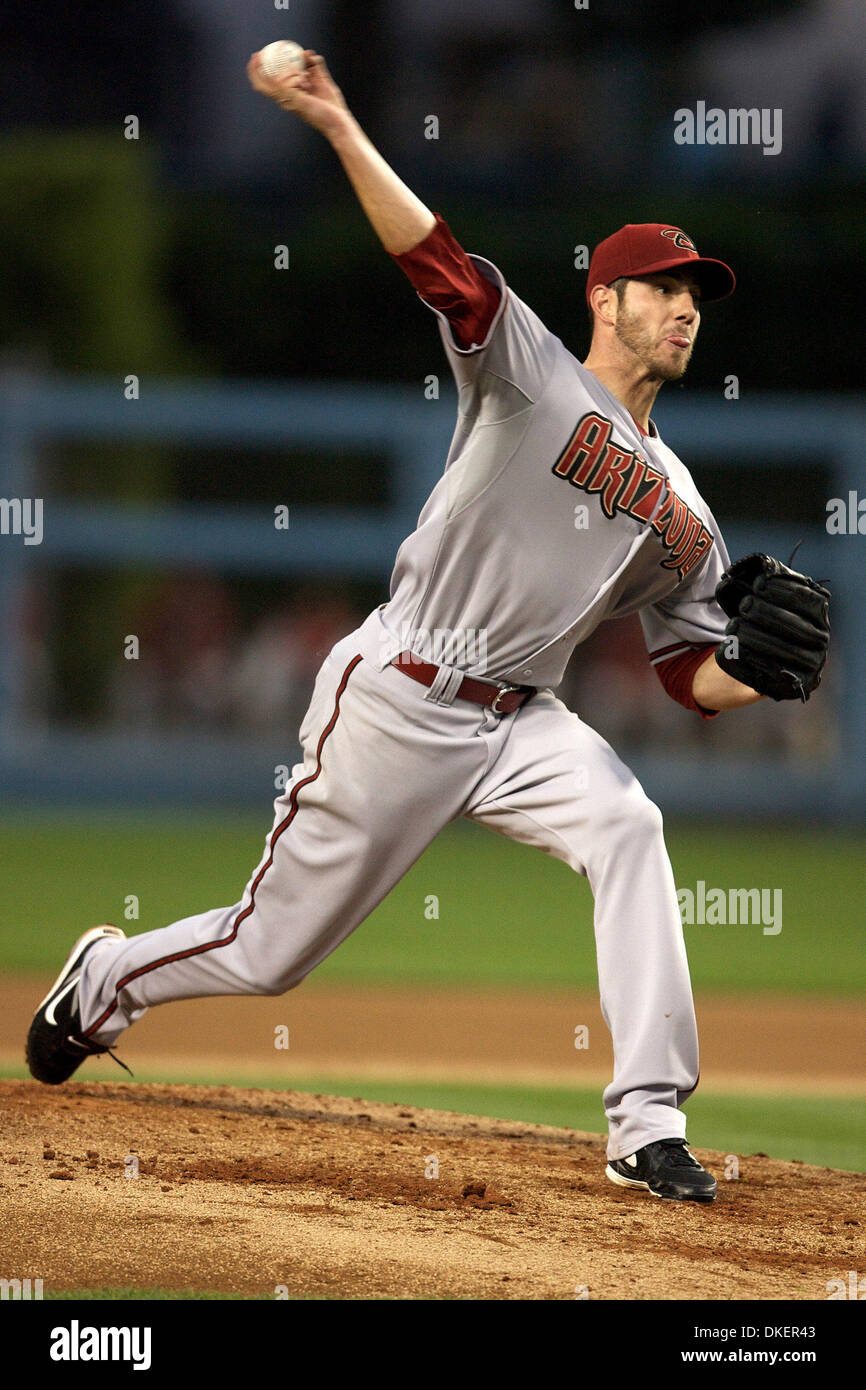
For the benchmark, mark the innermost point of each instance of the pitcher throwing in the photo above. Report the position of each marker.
(559, 507)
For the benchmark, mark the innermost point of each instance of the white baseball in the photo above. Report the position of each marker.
(280, 58)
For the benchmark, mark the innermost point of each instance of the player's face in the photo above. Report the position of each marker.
(658, 322)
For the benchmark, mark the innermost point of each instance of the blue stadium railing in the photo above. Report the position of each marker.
(38, 762)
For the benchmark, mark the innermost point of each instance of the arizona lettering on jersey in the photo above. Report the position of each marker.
(626, 483)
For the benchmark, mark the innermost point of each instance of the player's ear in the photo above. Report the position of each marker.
(603, 300)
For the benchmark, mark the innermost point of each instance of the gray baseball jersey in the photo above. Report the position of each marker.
(554, 512)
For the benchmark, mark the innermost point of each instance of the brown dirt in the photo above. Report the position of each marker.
(803, 1044)
(259, 1191)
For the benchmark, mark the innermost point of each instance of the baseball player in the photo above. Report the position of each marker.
(559, 507)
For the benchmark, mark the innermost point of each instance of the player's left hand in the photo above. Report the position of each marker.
(780, 619)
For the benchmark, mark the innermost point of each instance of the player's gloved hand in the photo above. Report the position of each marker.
(780, 620)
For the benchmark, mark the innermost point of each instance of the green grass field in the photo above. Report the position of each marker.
(507, 914)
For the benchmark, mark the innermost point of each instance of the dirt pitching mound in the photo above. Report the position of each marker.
(277, 1193)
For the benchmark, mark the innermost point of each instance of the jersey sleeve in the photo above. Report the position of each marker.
(448, 281)
(682, 629)
(486, 330)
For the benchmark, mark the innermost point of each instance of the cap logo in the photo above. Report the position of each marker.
(679, 239)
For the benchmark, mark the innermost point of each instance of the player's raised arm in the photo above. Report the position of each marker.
(398, 217)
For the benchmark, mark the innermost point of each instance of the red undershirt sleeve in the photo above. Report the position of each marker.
(677, 674)
(445, 278)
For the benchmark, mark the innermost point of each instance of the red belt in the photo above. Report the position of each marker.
(501, 699)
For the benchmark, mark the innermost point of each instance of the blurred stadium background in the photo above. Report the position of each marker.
(308, 388)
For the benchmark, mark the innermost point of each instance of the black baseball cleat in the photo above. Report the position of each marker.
(55, 1046)
(666, 1169)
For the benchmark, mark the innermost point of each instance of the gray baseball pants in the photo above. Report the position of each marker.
(386, 764)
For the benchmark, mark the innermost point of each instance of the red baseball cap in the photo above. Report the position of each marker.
(648, 248)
